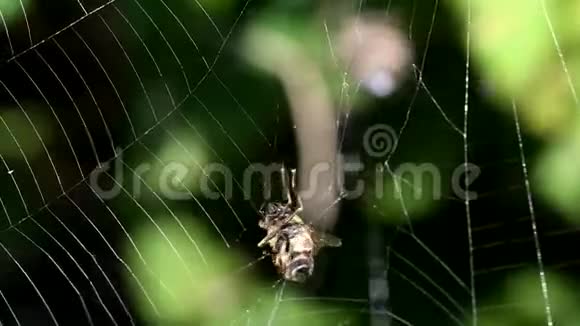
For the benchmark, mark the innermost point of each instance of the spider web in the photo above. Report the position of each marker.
(127, 87)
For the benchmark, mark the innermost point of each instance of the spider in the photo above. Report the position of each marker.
(292, 243)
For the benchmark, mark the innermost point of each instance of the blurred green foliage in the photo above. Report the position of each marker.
(19, 129)
(12, 10)
(532, 58)
(526, 51)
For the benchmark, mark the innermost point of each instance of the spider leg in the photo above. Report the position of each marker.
(274, 231)
(285, 187)
(289, 186)
(267, 238)
(299, 205)
(289, 218)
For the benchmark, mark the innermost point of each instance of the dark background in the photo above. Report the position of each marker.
(56, 239)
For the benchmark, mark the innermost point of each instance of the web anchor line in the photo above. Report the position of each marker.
(50, 37)
(540, 260)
